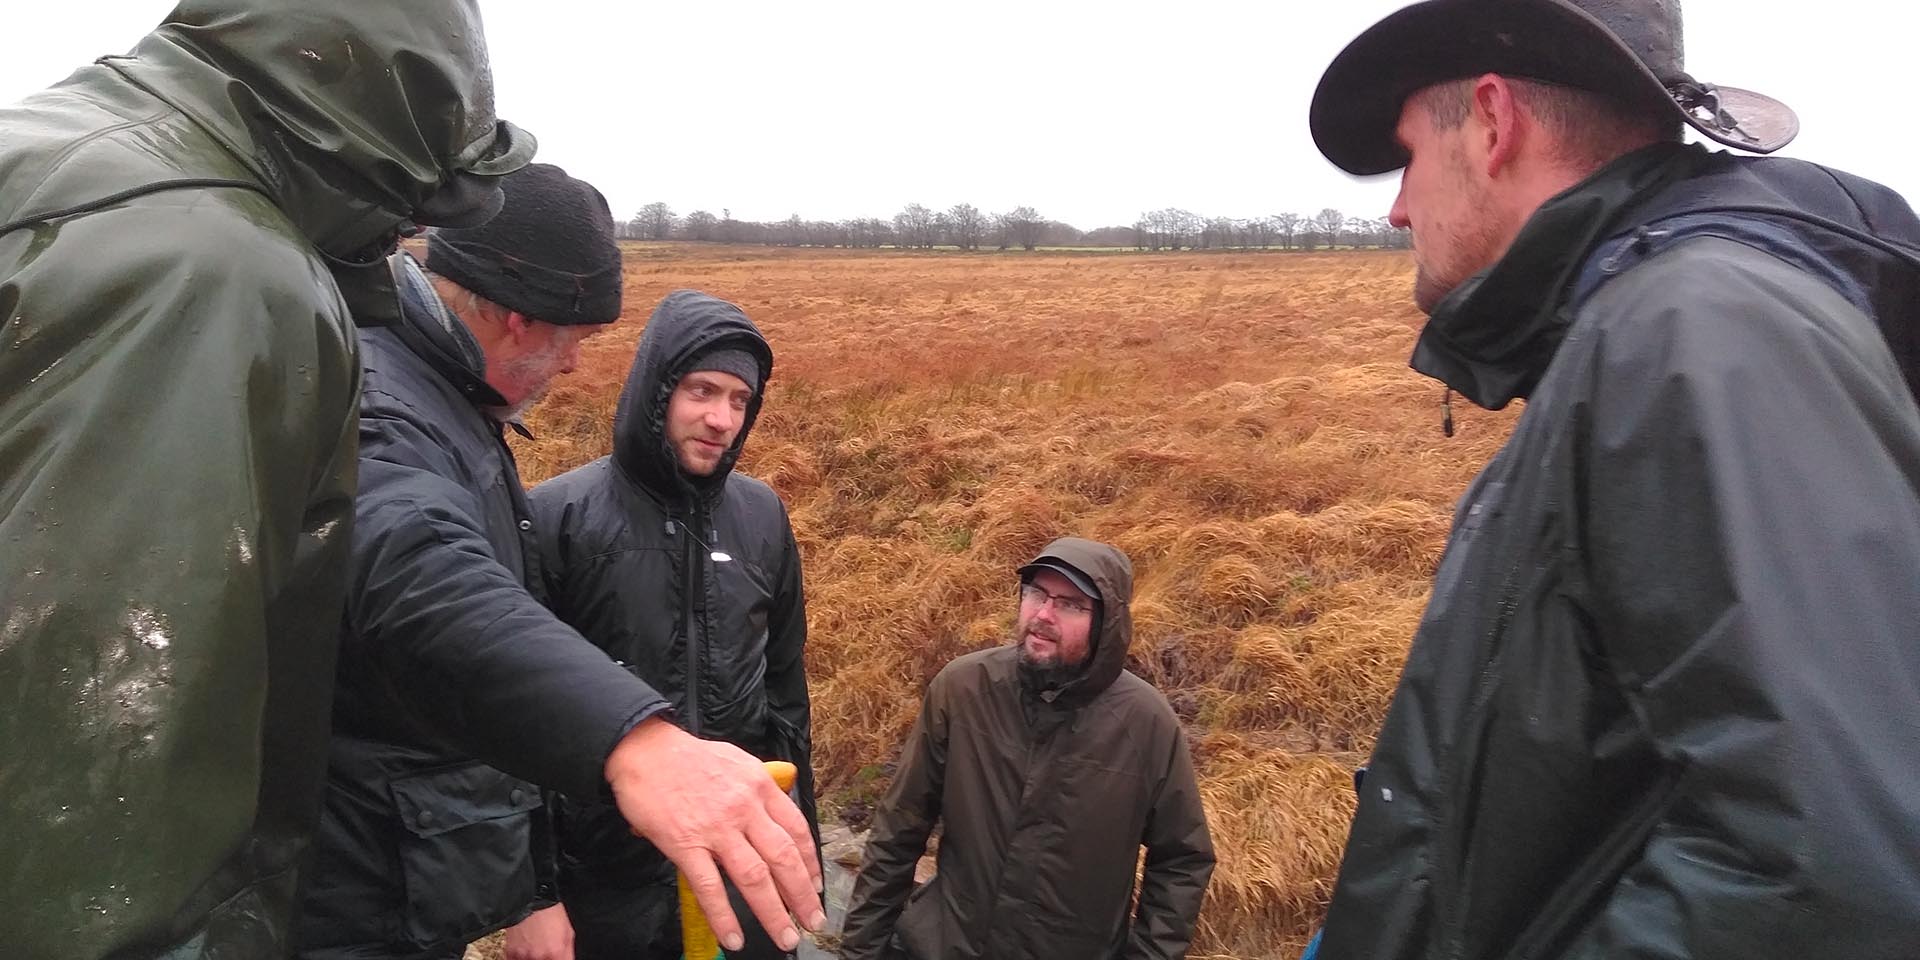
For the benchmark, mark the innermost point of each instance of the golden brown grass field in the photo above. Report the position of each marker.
(1243, 425)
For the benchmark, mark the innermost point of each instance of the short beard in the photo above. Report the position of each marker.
(1474, 242)
(1051, 675)
(1039, 674)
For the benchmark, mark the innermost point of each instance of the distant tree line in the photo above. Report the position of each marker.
(1174, 229)
(966, 227)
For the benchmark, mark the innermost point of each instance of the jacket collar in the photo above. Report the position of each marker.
(1492, 338)
(438, 337)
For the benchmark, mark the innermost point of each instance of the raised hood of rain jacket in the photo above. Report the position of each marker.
(1109, 570)
(684, 325)
(355, 115)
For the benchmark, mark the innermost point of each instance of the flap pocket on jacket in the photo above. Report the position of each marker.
(431, 804)
(466, 853)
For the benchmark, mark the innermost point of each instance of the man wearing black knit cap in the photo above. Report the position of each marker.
(457, 691)
(685, 571)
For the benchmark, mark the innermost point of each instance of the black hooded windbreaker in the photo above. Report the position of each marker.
(1662, 701)
(1045, 800)
(693, 583)
(451, 671)
(179, 234)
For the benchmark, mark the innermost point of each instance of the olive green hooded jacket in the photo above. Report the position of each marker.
(178, 385)
(1045, 798)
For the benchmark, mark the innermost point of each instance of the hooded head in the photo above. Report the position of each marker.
(362, 117)
(1102, 574)
(687, 331)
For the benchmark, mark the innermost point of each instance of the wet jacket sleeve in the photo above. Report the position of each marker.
(1179, 863)
(457, 638)
(900, 832)
(1751, 533)
(787, 677)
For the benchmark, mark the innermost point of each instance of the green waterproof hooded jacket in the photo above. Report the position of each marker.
(1045, 798)
(178, 380)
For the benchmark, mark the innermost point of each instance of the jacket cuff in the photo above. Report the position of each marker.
(658, 706)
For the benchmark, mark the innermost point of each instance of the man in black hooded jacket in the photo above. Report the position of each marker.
(1661, 703)
(455, 684)
(686, 572)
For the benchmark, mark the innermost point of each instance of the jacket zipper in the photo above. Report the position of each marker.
(689, 560)
(1034, 747)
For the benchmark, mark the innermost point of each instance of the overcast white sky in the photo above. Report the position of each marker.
(1092, 112)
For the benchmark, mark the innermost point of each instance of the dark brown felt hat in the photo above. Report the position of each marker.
(1627, 49)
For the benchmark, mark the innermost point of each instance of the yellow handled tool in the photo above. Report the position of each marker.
(697, 941)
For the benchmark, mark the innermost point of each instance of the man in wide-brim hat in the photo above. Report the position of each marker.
(1662, 701)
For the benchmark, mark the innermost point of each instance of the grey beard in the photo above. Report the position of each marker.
(514, 413)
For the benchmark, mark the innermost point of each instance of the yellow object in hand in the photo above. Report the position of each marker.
(697, 941)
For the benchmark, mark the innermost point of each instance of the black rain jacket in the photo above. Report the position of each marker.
(1661, 703)
(693, 583)
(455, 685)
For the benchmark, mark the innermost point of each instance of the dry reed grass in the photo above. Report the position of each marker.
(1243, 426)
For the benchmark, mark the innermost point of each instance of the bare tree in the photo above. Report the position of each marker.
(702, 226)
(656, 221)
(966, 225)
(1286, 225)
(1218, 232)
(1023, 225)
(1257, 232)
(1163, 228)
(1360, 231)
(1174, 228)
(914, 226)
(1330, 221)
(874, 232)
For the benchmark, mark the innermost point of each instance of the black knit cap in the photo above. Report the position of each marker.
(549, 254)
(733, 360)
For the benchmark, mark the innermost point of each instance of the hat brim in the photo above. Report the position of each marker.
(1357, 106)
(1080, 581)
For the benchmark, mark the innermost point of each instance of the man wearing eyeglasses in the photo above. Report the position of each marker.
(1063, 765)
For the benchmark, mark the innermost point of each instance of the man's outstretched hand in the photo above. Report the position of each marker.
(710, 806)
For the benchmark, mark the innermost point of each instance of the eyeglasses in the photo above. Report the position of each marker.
(1032, 593)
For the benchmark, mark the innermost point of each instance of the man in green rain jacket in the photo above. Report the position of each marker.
(182, 232)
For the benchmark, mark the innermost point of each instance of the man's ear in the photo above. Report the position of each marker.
(519, 327)
(1497, 124)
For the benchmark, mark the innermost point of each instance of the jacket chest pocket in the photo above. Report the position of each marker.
(1093, 827)
(464, 850)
